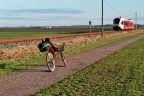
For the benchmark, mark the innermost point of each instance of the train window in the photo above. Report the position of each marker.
(116, 21)
(122, 22)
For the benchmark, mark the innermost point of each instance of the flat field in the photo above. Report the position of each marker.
(8, 33)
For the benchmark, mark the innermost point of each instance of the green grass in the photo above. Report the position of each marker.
(8, 33)
(11, 35)
(119, 74)
(27, 60)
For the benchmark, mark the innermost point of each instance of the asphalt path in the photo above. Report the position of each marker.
(35, 78)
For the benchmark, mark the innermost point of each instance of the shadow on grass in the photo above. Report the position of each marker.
(18, 69)
(24, 68)
(2, 66)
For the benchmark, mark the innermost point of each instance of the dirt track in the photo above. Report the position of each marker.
(35, 78)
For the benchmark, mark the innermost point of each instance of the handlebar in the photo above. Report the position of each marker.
(61, 48)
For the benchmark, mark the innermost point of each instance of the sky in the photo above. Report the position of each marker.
(15, 13)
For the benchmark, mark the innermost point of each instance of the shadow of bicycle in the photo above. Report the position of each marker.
(35, 70)
(40, 68)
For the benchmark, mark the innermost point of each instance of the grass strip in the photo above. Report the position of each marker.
(119, 74)
(27, 60)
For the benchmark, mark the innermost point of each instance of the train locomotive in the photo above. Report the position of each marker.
(122, 24)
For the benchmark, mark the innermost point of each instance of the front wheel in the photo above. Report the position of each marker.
(50, 61)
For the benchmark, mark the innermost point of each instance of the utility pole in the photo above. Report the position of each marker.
(136, 20)
(102, 20)
(90, 24)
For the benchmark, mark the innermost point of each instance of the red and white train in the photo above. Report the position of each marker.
(122, 24)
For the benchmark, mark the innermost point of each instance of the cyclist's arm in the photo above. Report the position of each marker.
(53, 46)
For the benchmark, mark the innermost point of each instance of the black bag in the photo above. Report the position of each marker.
(44, 47)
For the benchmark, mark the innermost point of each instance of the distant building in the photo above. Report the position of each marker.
(49, 27)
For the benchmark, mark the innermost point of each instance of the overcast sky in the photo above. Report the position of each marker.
(67, 12)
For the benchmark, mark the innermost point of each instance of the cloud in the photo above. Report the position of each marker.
(34, 18)
(14, 18)
(36, 14)
(44, 11)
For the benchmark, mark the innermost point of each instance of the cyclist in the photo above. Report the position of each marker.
(47, 40)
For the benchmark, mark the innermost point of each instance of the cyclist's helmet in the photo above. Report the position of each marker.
(47, 40)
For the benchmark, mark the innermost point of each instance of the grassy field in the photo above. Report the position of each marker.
(119, 74)
(7, 33)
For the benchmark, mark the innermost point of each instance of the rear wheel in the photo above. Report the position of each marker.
(50, 61)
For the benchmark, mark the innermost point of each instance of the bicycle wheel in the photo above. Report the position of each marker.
(50, 61)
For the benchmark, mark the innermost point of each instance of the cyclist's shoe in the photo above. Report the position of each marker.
(63, 44)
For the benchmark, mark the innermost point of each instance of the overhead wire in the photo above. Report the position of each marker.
(116, 9)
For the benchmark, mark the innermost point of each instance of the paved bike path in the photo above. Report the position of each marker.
(33, 79)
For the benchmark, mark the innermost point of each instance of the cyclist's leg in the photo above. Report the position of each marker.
(63, 58)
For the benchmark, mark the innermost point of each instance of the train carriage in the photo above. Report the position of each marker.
(122, 24)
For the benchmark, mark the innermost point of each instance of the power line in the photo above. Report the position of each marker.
(115, 9)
